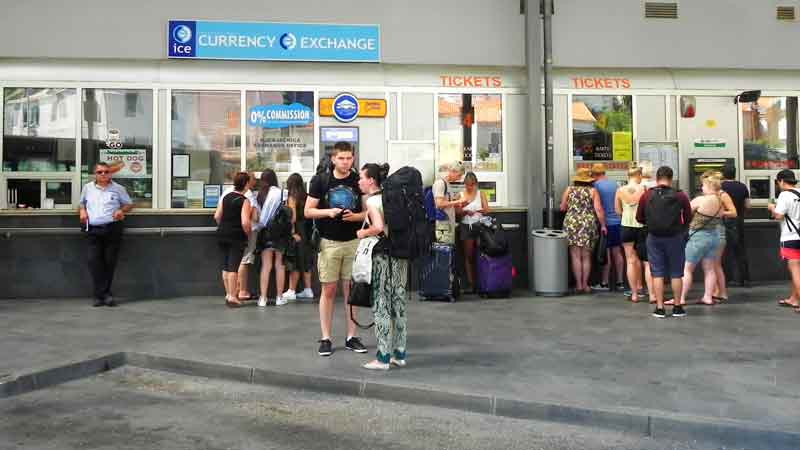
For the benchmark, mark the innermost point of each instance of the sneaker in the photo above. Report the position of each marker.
(110, 301)
(262, 302)
(376, 365)
(619, 287)
(660, 313)
(99, 302)
(678, 311)
(307, 293)
(325, 347)
(601, 287)
(354, 344)
(280, 301)
(289, 295)
(398, 362)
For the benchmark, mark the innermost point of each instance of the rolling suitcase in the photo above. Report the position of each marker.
(437, 279)
(495, 275)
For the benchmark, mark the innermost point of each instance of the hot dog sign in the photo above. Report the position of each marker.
(132, 163)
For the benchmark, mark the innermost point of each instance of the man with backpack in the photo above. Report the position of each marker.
(787, 210)
(335, 203)
(666, 213)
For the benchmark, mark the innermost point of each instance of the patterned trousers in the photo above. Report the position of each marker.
(389, 280)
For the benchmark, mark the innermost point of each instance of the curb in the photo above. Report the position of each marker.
(720, 432)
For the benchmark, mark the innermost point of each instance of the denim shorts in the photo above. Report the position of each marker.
(666, 255)
(703, 244)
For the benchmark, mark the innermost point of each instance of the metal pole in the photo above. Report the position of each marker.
(548, 113)
(533, 149)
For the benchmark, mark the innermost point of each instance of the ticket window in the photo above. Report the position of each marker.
(761, 189)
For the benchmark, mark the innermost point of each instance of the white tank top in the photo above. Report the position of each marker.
(474, 205)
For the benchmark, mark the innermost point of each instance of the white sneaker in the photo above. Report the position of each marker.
(306, 293)
(289, 295)
(280, 301)
(262, 302)
(376, 365)
(397, 362)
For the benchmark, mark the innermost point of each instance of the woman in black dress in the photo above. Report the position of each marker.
(233, 229)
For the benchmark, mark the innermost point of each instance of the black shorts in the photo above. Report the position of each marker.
(232, 254)
(631, 234)
(468, 232)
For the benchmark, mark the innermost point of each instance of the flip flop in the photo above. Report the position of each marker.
(787, 304)
(719, 299)
(700, 302)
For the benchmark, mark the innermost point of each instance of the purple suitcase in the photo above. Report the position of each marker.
(494, 275)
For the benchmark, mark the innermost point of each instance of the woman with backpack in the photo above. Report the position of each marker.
(303, 256)
(389, 276)
(708, 210)
(269, 200)
(583, 208)
(476, 205)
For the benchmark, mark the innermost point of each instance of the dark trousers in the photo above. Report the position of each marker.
(735, 258)
(104, 245)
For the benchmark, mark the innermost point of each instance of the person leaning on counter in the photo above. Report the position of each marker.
(103, 206)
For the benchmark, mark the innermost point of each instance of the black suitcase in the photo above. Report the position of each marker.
(438, 280)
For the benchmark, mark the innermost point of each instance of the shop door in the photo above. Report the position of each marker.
(712, 133)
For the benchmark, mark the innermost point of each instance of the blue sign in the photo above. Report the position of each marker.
(273, 41)
(279, 116)
(345, 107)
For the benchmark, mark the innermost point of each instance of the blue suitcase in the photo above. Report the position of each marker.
(438, 280)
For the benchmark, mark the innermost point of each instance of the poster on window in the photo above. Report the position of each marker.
(125, 163)
(602, 127)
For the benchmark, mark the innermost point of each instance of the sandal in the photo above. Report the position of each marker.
(719, 299)
(701, 302)
(787, 304)
(232, 303)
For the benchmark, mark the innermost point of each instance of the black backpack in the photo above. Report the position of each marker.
(404, 215)
(279, 227)
(492, 240)
(664, 212)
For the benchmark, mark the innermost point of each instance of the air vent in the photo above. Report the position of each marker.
(785, 13)
(660, 10)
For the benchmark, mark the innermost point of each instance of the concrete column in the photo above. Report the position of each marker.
(535, 148)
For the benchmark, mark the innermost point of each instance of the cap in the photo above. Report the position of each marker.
(787, 176)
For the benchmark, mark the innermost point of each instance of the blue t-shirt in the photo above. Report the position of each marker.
(608, 190)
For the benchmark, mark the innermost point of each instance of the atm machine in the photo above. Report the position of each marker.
(697, 166)
(329, 136)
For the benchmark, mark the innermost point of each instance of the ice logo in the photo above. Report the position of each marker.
(345, 107)
(288, 41)
(182, 34)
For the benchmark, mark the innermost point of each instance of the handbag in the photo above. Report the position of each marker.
(361, 287)
(600, 250)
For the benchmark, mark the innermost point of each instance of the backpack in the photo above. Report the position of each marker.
(431, 211)
(279, 227)
(492, 240)
(790, 224)
(410, 233)
(664, 212)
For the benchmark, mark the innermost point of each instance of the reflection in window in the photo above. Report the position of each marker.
(202, 123)
(121, 134)
(280, 131)
(39, 130)
(769, 128)
(602, 127)
(470, 130)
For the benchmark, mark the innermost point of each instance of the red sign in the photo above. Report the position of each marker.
(600, 83)
(470, 81)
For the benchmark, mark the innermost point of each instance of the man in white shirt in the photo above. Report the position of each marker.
(446, 229)
(787, 210)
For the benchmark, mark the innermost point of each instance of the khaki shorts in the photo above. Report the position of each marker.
(336, 260)
(250, 251)
(445, 233)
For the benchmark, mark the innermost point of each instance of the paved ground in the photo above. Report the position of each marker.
(138, 409)
(735, 361)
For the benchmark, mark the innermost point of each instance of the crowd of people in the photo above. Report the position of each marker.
(653, 232)
(650, 231)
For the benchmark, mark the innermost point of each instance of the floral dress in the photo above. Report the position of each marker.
(580, 223)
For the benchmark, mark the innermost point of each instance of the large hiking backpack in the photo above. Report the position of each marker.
(431, 211)
(492, 240)
(404, 215)
(664, 212)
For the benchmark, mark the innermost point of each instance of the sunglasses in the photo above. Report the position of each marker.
(102, 172)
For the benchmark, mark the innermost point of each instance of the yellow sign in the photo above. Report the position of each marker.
(622, 144)
(711, 123)
(366, 107)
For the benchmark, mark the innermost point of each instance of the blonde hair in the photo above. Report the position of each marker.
(712, 179)
(455, 166)
(634, 172)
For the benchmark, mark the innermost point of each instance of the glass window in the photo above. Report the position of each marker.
(202, 125)
(417, 117)
(602, 127)
(39, 130)
(769, 128)
(117, 129)
(469, 122)
(280, 131)
(37, 193)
